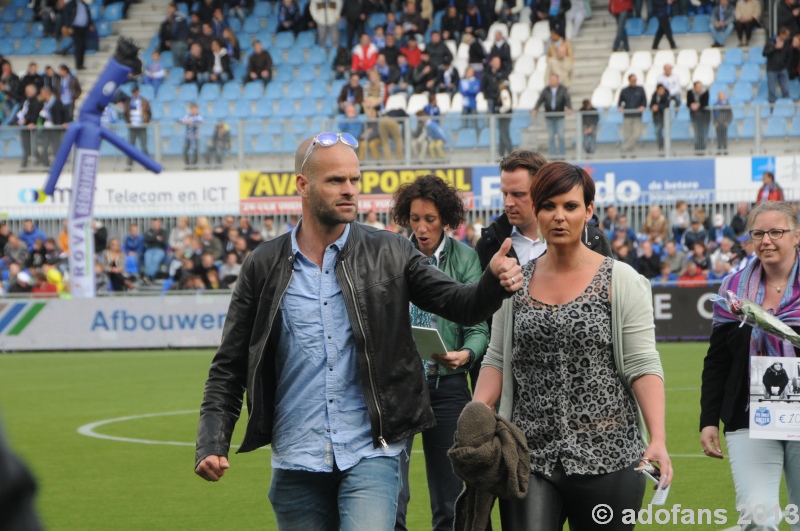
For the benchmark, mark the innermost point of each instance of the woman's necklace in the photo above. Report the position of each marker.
(777, 288)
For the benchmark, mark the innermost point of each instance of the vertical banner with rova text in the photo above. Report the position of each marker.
(81, 242)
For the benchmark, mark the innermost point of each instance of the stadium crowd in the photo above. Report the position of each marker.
(681, 247)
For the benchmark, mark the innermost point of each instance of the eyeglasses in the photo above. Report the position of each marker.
(328, 140)
(774, 234)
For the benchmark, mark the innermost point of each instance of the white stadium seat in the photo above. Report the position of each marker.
(528, 99)
(537, 81)
(602, 97)
(443, 102)
(497, 26)
(704, 74)
(711, 57)
(534, 47)
(541, 63)
(517, 82)
(541, 30)
(456, 103)
(611, 78)
(641, 61)
(461, 65)
(619, 61)
(463, 50)
(516, 48)
(451, 45)
(524, 65)
(687, 58)
(416, 102)
(663, 57)
(684, 75)
(396, 101)
(480, 103)
(639, 76)
(520, 31)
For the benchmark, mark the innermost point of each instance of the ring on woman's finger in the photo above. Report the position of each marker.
(512, 281)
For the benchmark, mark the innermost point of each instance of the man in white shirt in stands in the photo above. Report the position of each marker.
(672, 83)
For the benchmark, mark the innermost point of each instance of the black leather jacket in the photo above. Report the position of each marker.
(379, 273)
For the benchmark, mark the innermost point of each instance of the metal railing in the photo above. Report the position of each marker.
(468, 139)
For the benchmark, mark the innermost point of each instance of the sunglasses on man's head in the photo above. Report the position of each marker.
(328, 140)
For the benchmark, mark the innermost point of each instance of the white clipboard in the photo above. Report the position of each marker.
(428, 342)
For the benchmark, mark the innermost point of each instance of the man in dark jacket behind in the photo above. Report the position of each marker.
(78, 19)
(27, 117)
(259, 66)
(632, 101)
(778, 50)
(661, 10)
(318, 333)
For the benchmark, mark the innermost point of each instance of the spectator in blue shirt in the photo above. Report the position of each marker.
(469, 87)
(30, 233)
(351, 124)
(133, 244)
(666, 278)
(436, 138)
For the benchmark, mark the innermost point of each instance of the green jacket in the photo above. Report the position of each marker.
(461, 263)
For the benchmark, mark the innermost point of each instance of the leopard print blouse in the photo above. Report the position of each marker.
(569, 400)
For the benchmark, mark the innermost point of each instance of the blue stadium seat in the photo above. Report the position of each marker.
(231, 91)
(466, 138)
(700, 24)
(37, 30)
(166, 94)
(284, 40)
(740, 112)
(113, 12)
(295, 59)
(306, 111)
(252, 25)
(6, 46)
(379, 19)
(794, 130)
(647, 117)
(649, 133)
(27, 46)
(754, 56)
(157, 112)
(242, 110)
(167, 60)
(634, 27)
(732, 132)
(652, 27)
(103, 28)
(261, 9)
(245, 44)
(750, 73)
(177, 111)
(319, 91)
(307, 75)
(680, 24)
(209, 92)
(187, 92)
(742, 93)
(306, 40)
(13, 150)
(733, 56)
(147, 92)
(175, 76)
(680, 131)
(776, 127)
(317, 57)
(264, 108)
(239, 70)
(608, 134)
(219, 109)
(8, 15)
(762, 93)
(27, 16)
(613, 117)
(288, 144)
(297, 90)
(96, 10)
(183, 9)
(748, 129)
(484, 139)
(283, 75)
(18, 31)
(18, 3)
(521, 119)
(794, 89)
(285, 110)
(253, 90)
(266, 37)
(47, 46)
(274, 91)
(3, 34)
(718, 87)
(726, 73)
(174, 147)
(783, 108)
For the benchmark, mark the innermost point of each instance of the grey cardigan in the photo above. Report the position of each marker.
(632, 333)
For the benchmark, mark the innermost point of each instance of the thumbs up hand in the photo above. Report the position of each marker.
(506, 268)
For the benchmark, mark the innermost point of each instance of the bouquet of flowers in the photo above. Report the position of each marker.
(760, 318)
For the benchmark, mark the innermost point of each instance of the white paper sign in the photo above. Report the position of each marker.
(774, 398)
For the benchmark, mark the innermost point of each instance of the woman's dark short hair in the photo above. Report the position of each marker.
(556, 178)
(447, 199)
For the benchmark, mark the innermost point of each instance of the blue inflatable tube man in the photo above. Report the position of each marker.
(85, 134)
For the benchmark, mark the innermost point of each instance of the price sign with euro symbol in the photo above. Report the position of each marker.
(775, 398)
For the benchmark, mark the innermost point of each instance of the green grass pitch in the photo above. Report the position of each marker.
(91, 483)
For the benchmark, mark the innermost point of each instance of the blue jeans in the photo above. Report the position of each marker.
(590, 142)
(621, 41)
(153, 258)
(555, 128)
(757, 466)
(776, 79)
(448, 397)
(720, 35)
(360, 498)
